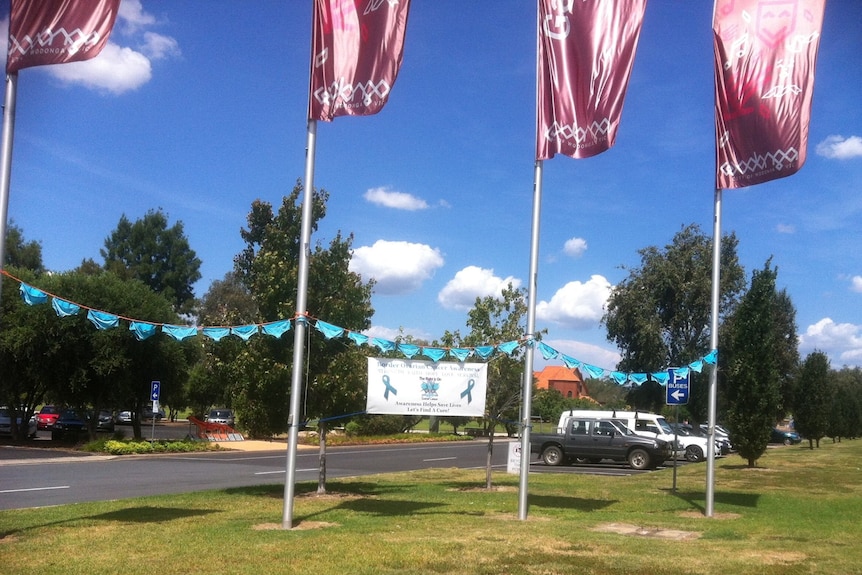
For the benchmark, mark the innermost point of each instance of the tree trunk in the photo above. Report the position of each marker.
(321, 472)
(751, 462)
(490, 455)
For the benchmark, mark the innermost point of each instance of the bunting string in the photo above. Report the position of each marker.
(145, 329)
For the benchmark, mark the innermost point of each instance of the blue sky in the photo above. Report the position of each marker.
(199, 108)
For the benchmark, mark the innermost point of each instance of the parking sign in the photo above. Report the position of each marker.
(155, 389)
(677, 387)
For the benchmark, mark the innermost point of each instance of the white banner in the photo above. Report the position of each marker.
(417, 387)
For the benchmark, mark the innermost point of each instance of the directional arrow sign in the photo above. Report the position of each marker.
(677, 388)
(155, 389)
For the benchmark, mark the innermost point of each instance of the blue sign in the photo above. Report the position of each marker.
(154, 390)
(677, 387)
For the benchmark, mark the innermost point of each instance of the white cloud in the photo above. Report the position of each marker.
(575, 247)
(132, 16)
(856, 284)
(397, 267)
(472, 282)
(785, 229)
(118, 68)
(841, 148)
(577, 305)
(396, 200)
(842, 342)
(115, 69)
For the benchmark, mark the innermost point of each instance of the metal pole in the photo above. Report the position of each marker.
(6, 160)
(527, 392)
(300, 326)
(713, 342)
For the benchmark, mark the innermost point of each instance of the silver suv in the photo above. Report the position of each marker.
(221, 416)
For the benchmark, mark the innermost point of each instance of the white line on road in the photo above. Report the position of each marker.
(272, 472)
(33, 489)
(438, 459)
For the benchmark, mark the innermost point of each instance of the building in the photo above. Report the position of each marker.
(567, 381)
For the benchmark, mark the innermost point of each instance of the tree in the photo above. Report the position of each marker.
(659, 316)
(21, 253)
(845, 408)
(68, 361)
(157, 255)
(787, 353)
(268, 268)
(753, 378)
(811, 412)
(497, 320)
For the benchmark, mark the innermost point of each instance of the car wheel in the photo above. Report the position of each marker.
(693, 453)
(638, 459)
(787, 441)
(552, 455)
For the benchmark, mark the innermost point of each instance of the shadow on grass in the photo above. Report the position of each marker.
(144, 514)
(698, 499)
(566, 502)
(333, 488)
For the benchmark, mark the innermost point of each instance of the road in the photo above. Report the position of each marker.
(32, 477)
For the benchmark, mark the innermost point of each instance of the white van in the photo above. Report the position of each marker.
(691, 448)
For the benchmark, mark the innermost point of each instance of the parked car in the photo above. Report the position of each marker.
(47, 416)
(124, 418)
(147, 413)
(73, 423)
(221, 416)
(722, 444)
(6, 423)
(785, 437)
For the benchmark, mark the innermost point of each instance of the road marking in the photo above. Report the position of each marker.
(438, 459)
(272, 472)
(33, 489)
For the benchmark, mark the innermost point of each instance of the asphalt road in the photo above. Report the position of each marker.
(38, 477)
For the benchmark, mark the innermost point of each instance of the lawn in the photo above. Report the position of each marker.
(797, 512)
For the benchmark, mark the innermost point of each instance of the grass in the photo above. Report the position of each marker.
(797, 512)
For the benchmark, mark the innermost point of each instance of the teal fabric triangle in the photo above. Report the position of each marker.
(31, 295)
(216, 333)
(65, 308)
(102, 320)
(276, 328)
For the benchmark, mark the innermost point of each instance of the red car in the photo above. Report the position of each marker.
(47, 416)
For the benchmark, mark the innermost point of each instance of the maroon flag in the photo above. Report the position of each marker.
(58, 31)
(586, 50)
(357, 51)
(765, 54)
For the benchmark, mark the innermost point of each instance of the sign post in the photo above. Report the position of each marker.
(155, 393)
(676, 395)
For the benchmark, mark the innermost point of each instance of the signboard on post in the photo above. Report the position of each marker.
(155, 390)
(677, 387)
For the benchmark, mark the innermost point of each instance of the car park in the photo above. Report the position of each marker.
(785, 436)
(47, 416)
(722, 444)
(6, 423)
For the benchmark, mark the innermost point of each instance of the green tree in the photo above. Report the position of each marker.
(268, 268)
(157, 255)
(845, 408)
(659, 316)
(21, 253)
(753, 378)
(227, 303)
(497, 320)
(787, 353)
(812, 410)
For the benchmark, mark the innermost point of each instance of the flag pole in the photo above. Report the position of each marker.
(6, 160)
(300, 326)
(527, 391)
(713, 342)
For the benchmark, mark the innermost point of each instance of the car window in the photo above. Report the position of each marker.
(604, 428)
(580, 427)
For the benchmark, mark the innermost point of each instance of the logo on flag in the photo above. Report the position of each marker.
(586, 51)
(43, 33)
(356, 56)
(765, 55)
